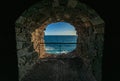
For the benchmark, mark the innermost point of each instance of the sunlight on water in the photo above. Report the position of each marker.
(60, 44)
(60, 37)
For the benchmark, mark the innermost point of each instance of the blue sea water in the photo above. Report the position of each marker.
(59, 44)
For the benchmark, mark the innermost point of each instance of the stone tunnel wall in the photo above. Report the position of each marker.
(38, 41)
(31, 24)
(25, 53)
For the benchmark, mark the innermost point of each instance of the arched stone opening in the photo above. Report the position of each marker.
(30, 28)
(60, 38)
(39, 43)
(83, 29)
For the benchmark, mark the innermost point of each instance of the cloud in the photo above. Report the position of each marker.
(60, 28)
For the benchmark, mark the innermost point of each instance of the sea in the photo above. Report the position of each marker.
(59, 44)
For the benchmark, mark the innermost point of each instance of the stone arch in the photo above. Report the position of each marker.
(38, 40)
(31, 24)
(82, 25)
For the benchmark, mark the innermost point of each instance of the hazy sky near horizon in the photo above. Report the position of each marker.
(60, 28)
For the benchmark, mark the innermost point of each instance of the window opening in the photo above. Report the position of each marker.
(60, 38)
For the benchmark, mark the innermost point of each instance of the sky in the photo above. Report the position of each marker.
(60, 28)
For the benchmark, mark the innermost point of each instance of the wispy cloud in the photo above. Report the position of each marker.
(60, 28)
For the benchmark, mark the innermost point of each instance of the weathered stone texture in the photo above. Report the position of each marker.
(59, 70)
(30, 28)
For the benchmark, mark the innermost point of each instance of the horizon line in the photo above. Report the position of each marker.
(65, 35)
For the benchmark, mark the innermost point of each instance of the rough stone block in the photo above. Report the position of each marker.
(19, 45)
(72, 3)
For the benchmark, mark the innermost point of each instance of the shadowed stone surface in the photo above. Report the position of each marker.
(59, 70)
(30, 28)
